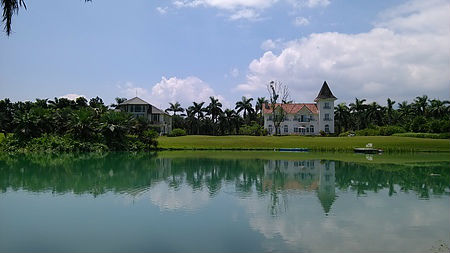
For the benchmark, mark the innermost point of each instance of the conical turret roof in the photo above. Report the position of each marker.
(325, 92)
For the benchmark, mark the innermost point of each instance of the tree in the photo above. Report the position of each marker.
(390, 111)
(278, 96)
(174, 108)
(214, 109)
(420, 105)
(6, 116)
(438, 108)
(342, 116)
(118, 102)
(260, 103)
(198, 111)
(11, 7)
(359, 110)
(245, 106)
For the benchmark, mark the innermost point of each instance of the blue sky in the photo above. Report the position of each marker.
(188, 50)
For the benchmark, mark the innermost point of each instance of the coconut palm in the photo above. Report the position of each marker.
(390, 111)
(342, 116)
(359, 110)
(174, 108)
(214, 109)
(438, 108)
(245, 106)
(420, 105)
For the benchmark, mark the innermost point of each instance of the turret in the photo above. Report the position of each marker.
(325, 103)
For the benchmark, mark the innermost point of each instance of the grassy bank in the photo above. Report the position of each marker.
(387, 143)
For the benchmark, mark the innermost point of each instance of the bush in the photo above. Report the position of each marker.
(348, 133)
(419, 124)
(368, 132)
(149, 139)
(177, 132)
(390, 130)
(254, 129)
(424, 135)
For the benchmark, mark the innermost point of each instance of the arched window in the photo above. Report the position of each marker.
(327, 128)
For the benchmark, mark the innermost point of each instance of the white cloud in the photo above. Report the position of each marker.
(246, 9)
(301, 21)
(162, 10)
(406, 54)
(271, 44)
(174, 89)
(234, 72)
(72, 96)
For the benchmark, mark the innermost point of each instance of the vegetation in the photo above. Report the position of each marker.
(65, 125)
(423, 115)
(387, 143)
(98, 173)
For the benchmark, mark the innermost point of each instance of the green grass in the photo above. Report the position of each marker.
(387, 143)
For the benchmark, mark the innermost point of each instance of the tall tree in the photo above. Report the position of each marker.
(214, 109)
(278, 96)
(245, 106)
(390, 111)
(420, 105)
(342, 117)
(174, 107)
(359, 110)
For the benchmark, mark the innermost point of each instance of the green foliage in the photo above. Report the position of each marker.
(64, 125)
(425, 135)
(390, 130)
(177, 132)
(253, 129)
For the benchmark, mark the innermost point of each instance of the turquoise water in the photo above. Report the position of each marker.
(176, 203)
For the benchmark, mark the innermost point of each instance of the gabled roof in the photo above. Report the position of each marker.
(325, 92)
(293, 108)
(156, 110)
(134, 101)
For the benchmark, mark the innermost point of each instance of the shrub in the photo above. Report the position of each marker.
(390, 130)
(348, 133)
(368, 132)
(254, 129)
(424, 135)
(177, 132)
(419, 124)
(149, 139)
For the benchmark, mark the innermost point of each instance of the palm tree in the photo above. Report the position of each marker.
(198, 110)
(260, 103)
(174, 108)
(245, 106)
(404, 109)
(420, 104)
(214, 109)
(374, 113)
(359, 109)
(438, 108)
(9, 8)
(342, 116)
(117, 99)
(390, 110)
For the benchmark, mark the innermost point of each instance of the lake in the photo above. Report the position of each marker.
(225, 202)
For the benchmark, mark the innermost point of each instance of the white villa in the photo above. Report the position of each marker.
(305, 118)
(140, 108)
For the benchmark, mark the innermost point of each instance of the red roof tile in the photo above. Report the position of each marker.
(293, 108)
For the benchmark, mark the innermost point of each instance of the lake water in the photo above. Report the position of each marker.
(225, 202)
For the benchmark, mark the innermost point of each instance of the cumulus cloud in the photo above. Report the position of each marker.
(301, 21)
(404, 55)
(72, 96)
(174, 89)
(246, 9)
(162, 10)
(271, 44)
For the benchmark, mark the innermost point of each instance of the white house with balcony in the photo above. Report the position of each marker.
(140, 108)
(304, 118)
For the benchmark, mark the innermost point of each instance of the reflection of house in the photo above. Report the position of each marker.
(311, 175)
(305, 118)
(140, 108)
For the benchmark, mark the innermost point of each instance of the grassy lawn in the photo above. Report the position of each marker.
(387, 143)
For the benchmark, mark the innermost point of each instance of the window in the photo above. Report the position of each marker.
(327, 128)
(327, 116)
(303, 129)
(295, 129)
(327, 105)
(131, 108)
(270, 129)
(286, 128)
(311, 129)
(270, 117)
(286, 118)
(155, 117)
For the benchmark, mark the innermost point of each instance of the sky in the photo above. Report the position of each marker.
(188, 50)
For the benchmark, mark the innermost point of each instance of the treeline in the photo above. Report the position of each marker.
(423, 115)
(71, 125)
(213, 119)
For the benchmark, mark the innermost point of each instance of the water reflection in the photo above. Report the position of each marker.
(174, 181)
(311, 205)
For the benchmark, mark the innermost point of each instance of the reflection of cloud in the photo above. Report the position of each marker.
(399, 223)
(184, 197)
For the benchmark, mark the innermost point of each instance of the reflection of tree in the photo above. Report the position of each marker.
(133, 173)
